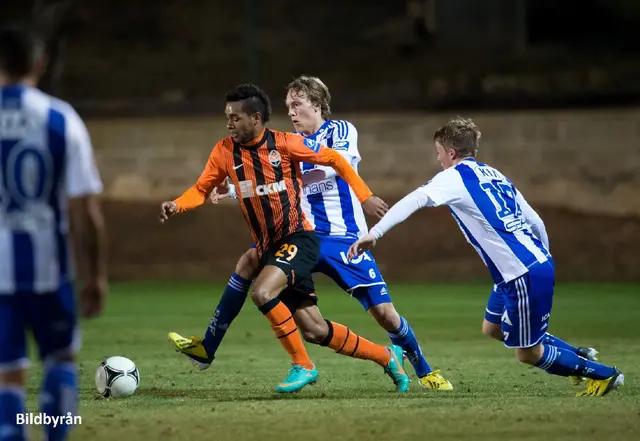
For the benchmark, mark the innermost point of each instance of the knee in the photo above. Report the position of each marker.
(313, 331)
(492, 330)
(13, 377)
(247, 266)
(529, 355)
(261, 294)
(315, 334)
(386, 316)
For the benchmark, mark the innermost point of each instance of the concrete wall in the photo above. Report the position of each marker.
(587, 160)
(580, 170)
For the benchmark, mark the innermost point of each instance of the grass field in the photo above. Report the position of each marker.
(494, 396)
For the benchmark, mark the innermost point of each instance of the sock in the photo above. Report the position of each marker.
(227, 310)
(563, 362)
(11, 406)
(286, 330)
(552, 340)
(59, 397)
(348, 343)
(406, 339)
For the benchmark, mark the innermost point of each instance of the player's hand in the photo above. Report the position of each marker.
(167, 209)
(313, 176)
(366, 242)
(221, 192)
(374, 206)
(92, 298)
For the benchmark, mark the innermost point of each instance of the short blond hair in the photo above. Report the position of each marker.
(315, 91)
(461, 135)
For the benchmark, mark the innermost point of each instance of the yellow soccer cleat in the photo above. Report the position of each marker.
(598, 388)
(192, 348)
(433, 380)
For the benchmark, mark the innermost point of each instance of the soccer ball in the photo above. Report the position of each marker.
(117, 377)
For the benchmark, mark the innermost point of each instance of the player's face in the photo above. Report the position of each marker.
(445, 156)
(241, 125)
(304, 115)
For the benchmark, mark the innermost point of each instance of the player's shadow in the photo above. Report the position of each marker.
(230, 395)
(170, 393)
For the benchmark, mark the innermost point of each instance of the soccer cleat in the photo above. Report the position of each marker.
(433, 380)
(297, 378)
(589, 354)
(193, 349)
(395, 370)
(598, 388)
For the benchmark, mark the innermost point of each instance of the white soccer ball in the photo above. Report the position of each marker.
(117, 377)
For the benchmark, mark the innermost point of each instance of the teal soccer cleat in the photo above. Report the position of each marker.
(298, 378)
(395, 369)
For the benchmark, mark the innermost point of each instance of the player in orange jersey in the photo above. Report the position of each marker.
(263, 165)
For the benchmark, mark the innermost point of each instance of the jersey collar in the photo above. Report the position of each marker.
(322, 128)
(256, 142)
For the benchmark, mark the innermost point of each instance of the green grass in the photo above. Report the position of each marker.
(494, 396)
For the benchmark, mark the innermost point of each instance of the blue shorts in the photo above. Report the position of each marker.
(522, 306)
(361, 277)
(52, 319)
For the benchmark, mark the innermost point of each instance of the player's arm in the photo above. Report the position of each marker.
(83, 187)
(212, 176)
(534, 219)
(441, 190)
(306, 150)
(345, 142)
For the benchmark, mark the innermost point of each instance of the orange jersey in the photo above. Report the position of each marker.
(266, 174)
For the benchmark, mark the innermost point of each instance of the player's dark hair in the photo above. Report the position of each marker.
(315, 91)
(461, 135)
(254, 100)
(19, 49)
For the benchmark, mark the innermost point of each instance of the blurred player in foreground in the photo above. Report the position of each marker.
(263, 165)
(511, 239)
(48, 179)
(333, 210)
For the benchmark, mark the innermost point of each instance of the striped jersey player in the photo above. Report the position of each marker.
(511, 239)
(48, 181)
(331, 206)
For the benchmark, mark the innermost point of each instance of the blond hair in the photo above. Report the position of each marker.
(461, 135)
(315, 91)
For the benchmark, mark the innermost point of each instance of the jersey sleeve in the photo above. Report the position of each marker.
(533, 219)
(345, 142)
(408, 205)
(213, 175)
(446, 188)
(307, 150)
(81, 174)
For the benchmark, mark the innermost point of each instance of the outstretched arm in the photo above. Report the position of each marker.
(307, 150)
(396, 215)
(212, 176)
(443, 189)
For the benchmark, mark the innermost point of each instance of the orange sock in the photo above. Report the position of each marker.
(286, 330)
(342, 340)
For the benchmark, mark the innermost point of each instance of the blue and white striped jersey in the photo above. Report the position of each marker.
(494, 217)
(330, 205)
(46, 157)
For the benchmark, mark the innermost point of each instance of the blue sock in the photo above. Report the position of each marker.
(11, 406)
(563, 362)
(552, 340)
(59, 397)
(227, 310)
(406, 339)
